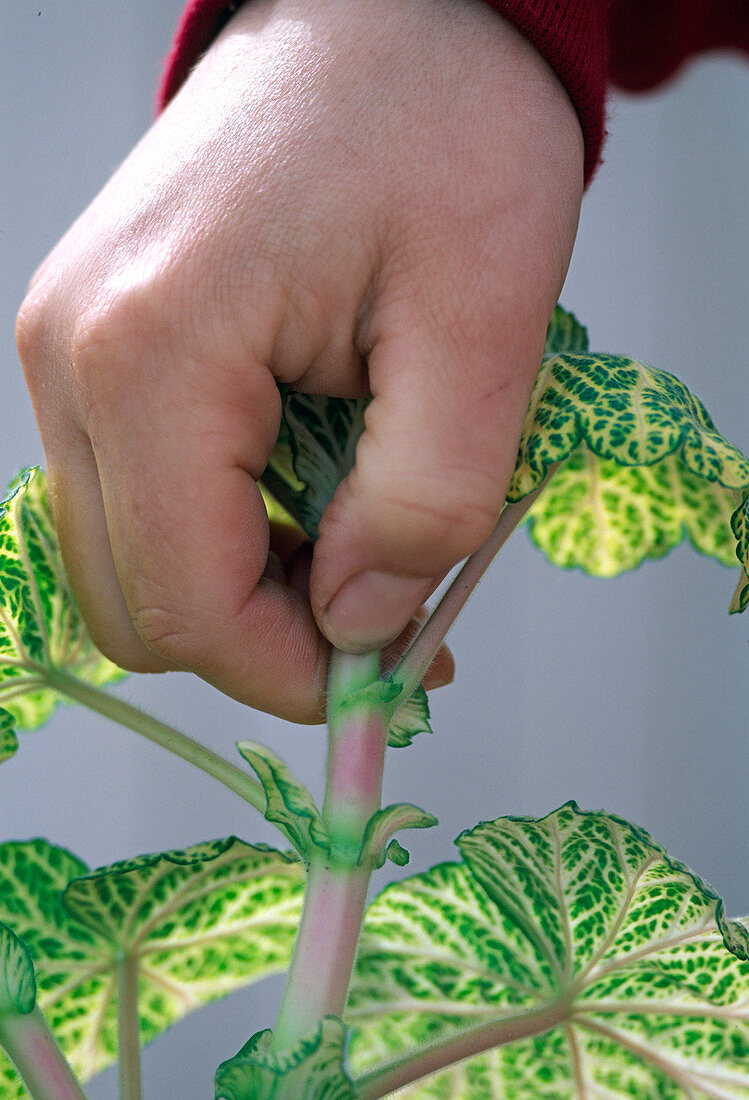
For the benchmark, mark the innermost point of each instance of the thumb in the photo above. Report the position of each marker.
(431, 475)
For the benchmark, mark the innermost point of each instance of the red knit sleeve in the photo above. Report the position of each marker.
(200, 23)
(571, 36)
(649, 41)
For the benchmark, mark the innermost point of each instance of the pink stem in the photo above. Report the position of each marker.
(32, 1048)
(335, 898)
(325, 951)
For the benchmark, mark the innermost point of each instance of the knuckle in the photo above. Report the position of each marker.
(119, 644)
(109, 343)
(33, 323)
(170, 636)
(103, 331)
(93, 333)
(445, 524)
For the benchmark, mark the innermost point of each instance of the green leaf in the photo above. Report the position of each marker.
(316, 445)
(41, 628)
(197, 924)
(17, 998)
(397, 854)
(740, 528)
(411, 718)
(290, 805)
(566, 957)
(313, 1070)
(565, 333)
(381, 827)
(641, 464)
(8, 739)
(408, 719)
(17, 981)
(315, 451)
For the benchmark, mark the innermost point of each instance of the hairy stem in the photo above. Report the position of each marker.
(161, 734)
(357, 738)
(128, 1029)
(336, 893)
(324, 953)
(455, 1048)
(415, 661)
(33, 1050)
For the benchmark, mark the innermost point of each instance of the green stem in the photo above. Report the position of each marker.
(455, 1048)
(168, 738)
(33, 1050)
(128, 1029)
(336, 894)
(357, 738)
(414, 663)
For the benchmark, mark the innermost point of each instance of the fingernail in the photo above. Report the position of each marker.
(441, 672)
(372, 608)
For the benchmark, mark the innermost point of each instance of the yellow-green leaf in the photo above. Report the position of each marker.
(566, 958)
(41, 628)
(312, 1070)
(196, 924)
(740, 527)
(639, 465)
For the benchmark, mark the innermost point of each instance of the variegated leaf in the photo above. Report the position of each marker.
(8, 739)
(377, 842)
(41, 628)
(312, 1070)
(565, 333)
(17, 981)
(606, 518)
(740, 527)
(410, 719)
(640, 464)
(290, 807)
(316, 450)
(567, 958)
(197, 924)
(17, 998)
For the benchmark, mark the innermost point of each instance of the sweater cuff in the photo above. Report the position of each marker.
(569, 34)
(200, 23)
(650, 41)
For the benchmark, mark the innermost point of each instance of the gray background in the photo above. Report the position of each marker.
(627, 694)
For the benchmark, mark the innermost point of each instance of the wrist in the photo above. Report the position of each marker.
(570, 36)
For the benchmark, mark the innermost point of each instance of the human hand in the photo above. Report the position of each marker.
(349, 196)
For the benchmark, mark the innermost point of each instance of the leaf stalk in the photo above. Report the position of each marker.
(117, 710)
(410, 670)
(456, 1048)
(128, 1029)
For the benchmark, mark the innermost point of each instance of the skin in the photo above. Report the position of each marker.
(350, 196)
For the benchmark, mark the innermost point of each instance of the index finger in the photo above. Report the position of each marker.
(186, 528)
